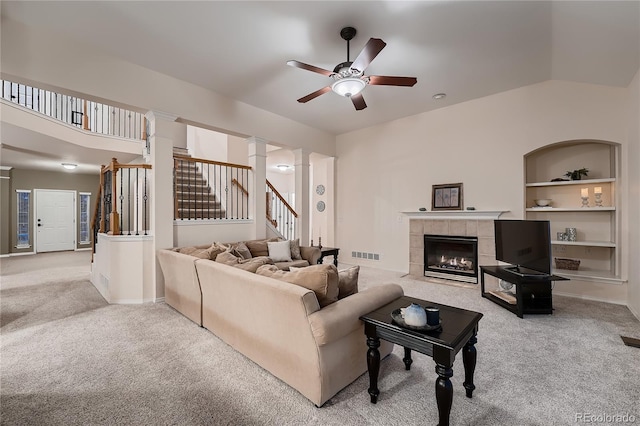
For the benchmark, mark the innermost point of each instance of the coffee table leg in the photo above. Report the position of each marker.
(469, 355)
(407, 359)
(373, 365)
(444, 393)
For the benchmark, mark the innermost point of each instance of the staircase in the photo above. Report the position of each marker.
(194, 197)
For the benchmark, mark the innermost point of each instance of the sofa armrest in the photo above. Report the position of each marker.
(181, 284)
(343, 317)
(310, 254)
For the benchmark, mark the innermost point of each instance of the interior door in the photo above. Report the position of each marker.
(55, 220)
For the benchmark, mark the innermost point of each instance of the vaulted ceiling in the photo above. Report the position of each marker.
(466, 49)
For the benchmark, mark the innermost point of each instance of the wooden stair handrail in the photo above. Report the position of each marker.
(203, 160)
(281, 198)
(234, 181)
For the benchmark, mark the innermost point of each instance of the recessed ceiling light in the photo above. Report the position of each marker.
(69, 166)
(438, 96)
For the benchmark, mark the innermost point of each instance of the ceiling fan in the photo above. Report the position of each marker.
(349, 78)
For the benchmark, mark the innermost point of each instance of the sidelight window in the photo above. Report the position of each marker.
(23, 231)
(85, 235)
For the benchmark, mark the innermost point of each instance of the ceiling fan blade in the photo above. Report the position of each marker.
(384, 80)
(358, 102)
(369, 52)
(310, 68)
(314, 95)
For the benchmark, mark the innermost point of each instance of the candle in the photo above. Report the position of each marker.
(584, 192)
(597, 190)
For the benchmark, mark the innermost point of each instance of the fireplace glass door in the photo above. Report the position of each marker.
(451, 257)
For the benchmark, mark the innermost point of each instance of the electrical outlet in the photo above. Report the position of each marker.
(587, 250)
(561, 249)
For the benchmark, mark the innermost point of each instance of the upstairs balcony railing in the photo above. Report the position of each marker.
(82, 113)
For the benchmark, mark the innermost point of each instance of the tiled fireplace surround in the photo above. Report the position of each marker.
(483, 229)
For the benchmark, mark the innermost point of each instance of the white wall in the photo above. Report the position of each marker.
(207, 144)
(386, 169)
(633, 118)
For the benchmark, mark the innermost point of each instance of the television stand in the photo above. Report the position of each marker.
(533, 292)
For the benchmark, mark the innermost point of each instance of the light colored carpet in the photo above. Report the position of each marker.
(67, 357)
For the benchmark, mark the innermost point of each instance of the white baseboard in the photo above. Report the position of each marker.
(635, 314)
(26, 253)
(594, 299)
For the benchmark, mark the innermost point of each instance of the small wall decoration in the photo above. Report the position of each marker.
(320, 206)
(447, 196)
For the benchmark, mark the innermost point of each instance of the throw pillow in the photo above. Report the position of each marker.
(201, 253)
(259, 247)
(241, 250)
(279, 251)
(216, 249)
(254, 263)
(295, 249)
(321, 279)
(227, 258)
(348, 282)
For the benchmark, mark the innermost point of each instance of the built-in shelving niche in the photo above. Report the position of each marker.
(598, 234)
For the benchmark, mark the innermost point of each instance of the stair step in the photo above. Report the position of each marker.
(181, 151)
(199, 205)
(201, 214)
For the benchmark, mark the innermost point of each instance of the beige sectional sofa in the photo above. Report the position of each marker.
(279, 325)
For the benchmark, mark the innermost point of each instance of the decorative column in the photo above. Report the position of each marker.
(164, 132)
(258, 185)
(302, 194)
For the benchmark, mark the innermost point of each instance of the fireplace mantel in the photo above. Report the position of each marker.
(458, 214)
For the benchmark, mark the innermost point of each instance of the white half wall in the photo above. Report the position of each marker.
(199, 232)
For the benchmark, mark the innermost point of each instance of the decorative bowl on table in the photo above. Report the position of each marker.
(543, 202)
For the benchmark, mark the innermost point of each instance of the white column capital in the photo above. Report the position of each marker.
(301, 157)
(257, 147)
(160, 115)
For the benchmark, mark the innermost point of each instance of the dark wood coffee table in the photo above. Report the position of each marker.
(459, 329)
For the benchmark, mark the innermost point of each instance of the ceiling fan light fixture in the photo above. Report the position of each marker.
(348, 87)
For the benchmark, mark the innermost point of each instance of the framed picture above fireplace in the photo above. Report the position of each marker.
(446, 196)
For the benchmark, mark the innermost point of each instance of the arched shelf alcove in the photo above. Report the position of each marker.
(590, 205)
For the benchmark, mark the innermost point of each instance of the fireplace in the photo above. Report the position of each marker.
(451, 257)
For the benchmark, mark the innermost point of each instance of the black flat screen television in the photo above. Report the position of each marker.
(525, 244)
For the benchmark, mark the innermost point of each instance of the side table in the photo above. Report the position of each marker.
(329, 251)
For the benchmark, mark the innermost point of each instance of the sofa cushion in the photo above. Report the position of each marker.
(295, 249)
(348, 281)
(259, 247)
(279, 251)
(321, 279)
(290, 266)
